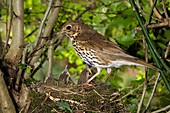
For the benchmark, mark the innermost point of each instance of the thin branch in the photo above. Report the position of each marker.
(45, 99)
(165, 11)
(138, 4)
(152, 94)
(162, 24)
(9, 26)
(167, 50)
(162, 109)
(39, 66)
(131, 91)
(142, 98)
(43, 21)
(55, 42)
(144, 12)
(27, 106)
(146, 77)
(31, 54)
(58, 99)
(160, 63)
(78, 17)
(98, 94)
(31, 32)
(46, 32)
(155, 10)
(50, 59)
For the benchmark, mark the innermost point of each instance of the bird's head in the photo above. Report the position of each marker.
(72, 29)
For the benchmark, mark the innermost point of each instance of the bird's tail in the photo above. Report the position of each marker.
(147, 65)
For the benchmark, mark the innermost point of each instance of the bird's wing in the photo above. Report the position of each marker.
(99, 43)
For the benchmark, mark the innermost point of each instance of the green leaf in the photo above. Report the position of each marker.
(28, 69)
(64, 106)
(21, 65)
(125, 40)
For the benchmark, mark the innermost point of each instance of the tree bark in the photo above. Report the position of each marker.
(16, 47)
(6, 103)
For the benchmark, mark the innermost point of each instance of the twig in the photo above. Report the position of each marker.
(27, 106)
(165, 11)
(167, 50)
(44, 100)
(50, 58)
(43, 21)
(58, 99)
(18, 79)
(98, 94)
(146, 80)
(55, 110)
(31, 33)
(8, 30)
(142, 98)
(138, 4)
(159, 62)
(162, 109)
(39, 66)
(153, 91)
(64, 90)
(146, 51)
(131, 91)
(35, 50)
(154, 9)
(33, 111)
(144, 12)
(46, 32)
(82, 13)
(162, 24)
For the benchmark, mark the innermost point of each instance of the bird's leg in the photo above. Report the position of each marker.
(109, 71)
(99, 69)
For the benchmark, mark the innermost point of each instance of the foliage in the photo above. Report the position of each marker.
(63, 106)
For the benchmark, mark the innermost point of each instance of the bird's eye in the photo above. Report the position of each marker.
(69, 27)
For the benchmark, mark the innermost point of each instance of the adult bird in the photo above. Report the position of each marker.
(96, 51)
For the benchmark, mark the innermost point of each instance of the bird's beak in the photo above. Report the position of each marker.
(60, 33)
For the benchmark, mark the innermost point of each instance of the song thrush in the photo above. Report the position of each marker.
(95, 50)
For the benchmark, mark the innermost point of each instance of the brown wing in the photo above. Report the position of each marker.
(99, 43)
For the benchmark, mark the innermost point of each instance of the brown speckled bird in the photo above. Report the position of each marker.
(95, 50)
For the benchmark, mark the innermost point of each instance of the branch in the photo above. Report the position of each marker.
(151, 46)
(8, 28)
(16, 49)
(6, 105)
(162, 24)
(47, 31)
(133, 90)
(50, 58)
(43, 21)
(165, 11)
(1, 48)
(153, 91)
(162, 109)
(146, 77)
(167, 50)
(155, 10)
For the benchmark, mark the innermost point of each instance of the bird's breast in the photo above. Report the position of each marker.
(89, 56)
